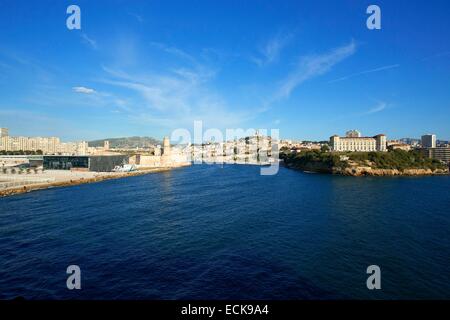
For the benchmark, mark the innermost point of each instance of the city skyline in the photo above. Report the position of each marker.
(245, 134)
(145, 69)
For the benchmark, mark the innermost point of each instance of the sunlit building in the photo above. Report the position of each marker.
(3, 132)
(439, 153)
(48, 145)
(354, 142)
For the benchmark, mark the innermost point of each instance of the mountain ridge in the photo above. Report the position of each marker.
(126, 142)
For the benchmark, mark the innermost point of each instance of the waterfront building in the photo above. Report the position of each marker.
(103, 163)
(439, 153)
(429, 141)
(358, 143)
(162, 157)
(10, 161)
(255, 149)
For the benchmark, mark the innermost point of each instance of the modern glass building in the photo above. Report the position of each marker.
(106, 163)
(65, 162)
(91, 163)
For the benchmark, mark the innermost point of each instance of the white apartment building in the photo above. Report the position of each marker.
(48, 145)
(353, 142)
(3, 132)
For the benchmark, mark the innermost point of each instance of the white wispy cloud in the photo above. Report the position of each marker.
(91, 42)
(174, 51)
(83, 90)
(392, 66)
(270, 52)
(175, 98)
(19, 61)
(47, 96)
(175, 95)
(312, 66)
(378, 108)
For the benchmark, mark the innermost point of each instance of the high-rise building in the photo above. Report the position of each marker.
(429, 141)
(3, 132)
(48, 145)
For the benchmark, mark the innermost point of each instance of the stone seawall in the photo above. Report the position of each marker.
(76, 181)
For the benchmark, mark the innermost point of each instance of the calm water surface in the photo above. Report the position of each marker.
(212, 232)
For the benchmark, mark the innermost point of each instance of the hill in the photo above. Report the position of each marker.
(397, 162)
(126, 142)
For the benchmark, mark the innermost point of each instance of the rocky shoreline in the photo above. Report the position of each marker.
(359, 171)
(368, 171)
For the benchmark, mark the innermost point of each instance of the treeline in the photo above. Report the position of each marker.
(21, 152)
(306, 158)
(396, 159)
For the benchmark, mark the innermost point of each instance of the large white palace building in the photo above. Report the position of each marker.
(354, 142)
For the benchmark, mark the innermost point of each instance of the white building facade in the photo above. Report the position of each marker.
(48, 145)
(351, 142)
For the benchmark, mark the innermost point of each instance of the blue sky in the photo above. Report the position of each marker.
(310, 68)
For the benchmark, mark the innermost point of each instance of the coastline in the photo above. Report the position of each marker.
(359, 171)
(97, 177)
(356, 164)
(368, 171)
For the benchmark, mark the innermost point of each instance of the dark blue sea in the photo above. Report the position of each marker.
(213, 232)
